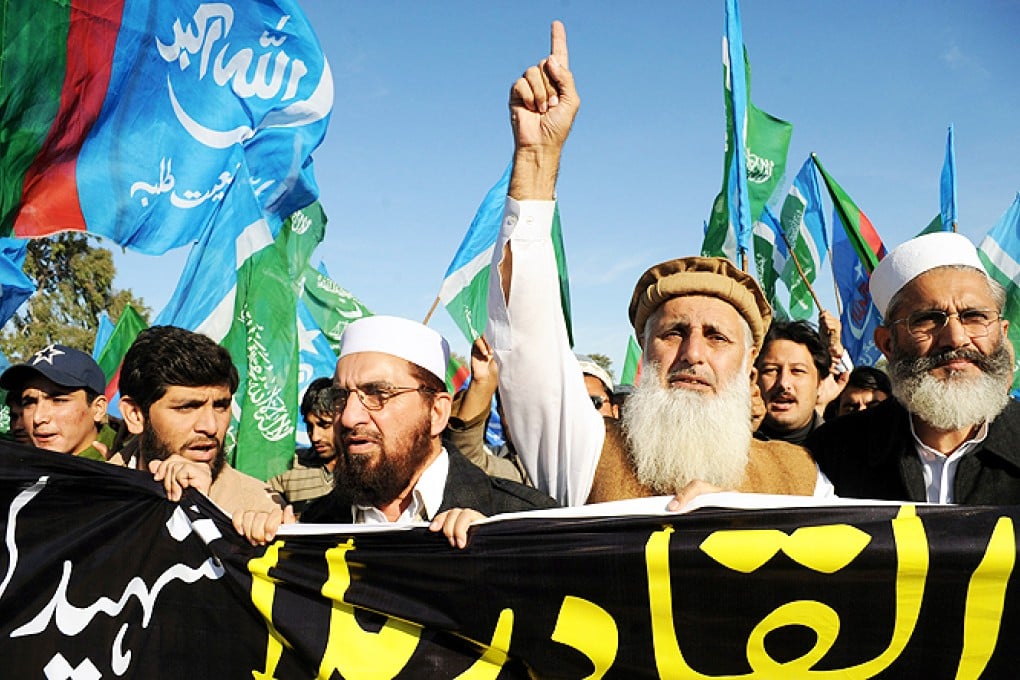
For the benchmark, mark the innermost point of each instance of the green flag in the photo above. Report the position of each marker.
(767, 139)
(632, 364)
(263, 343)
(331, 305)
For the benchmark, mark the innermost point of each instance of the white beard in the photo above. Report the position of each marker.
(959, 401)
(678, 435)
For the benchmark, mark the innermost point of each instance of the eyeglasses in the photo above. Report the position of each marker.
(372, 396)
(598, 400)
(924, 324)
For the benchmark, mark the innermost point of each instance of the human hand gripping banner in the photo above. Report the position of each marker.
(101, 576)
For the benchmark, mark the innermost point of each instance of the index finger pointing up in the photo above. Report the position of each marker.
(558, 44)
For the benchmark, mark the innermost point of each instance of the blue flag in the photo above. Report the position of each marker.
(210, 121)
(103, 333)
(15, 286)
(736, 90)
(465, 290)
(804, 225)
(947, 185)
(1000, 253)
(316, 359)
(859, 316)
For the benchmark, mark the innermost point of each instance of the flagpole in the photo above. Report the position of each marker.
(432, 309)
(800, 271)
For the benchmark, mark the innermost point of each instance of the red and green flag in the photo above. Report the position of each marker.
(151, 121)
(632, 364)
(111, 356)
(858, 227)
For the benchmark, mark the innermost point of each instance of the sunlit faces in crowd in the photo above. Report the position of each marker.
(946, 345)
(689, 418)
(698, 342)
(188, 421)
(792, 364)
(58, 418)
(789, 384)
(390, 415)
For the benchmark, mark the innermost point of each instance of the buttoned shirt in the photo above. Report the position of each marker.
(940, 468)
(426, 497)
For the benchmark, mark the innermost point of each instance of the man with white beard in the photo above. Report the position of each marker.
(951, 432)
(700, 322)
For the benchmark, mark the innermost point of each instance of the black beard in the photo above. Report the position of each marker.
(152, 447)
(378, 480)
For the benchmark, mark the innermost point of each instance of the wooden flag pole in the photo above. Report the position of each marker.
(800, 271)
(432, 309)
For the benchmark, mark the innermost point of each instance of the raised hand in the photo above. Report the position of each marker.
(543, 104)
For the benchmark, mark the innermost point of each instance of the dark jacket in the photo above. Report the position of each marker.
(467, 486)
(871, 454)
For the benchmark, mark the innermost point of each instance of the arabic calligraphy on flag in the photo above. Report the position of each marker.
(191, 115)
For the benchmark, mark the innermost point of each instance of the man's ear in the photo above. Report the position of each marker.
(98, 407)
(440, 412)
(883, 340)
(132, 414)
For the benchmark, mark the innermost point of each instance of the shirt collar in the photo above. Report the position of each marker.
(426, 497)
(925, 450)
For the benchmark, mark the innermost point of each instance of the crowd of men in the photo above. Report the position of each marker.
(729, 398)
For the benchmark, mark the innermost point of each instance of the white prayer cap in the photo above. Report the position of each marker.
(403, 338)
(589, 367)
(917, 256)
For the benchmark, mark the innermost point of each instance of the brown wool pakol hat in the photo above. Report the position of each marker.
(711, 276)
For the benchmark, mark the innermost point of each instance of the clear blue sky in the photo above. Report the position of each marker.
(419, 131)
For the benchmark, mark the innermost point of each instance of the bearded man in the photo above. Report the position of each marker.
(391, 407)
(176, 387)
(700, 322)
(950, 433)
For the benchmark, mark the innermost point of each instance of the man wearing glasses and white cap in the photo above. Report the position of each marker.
(951, 433)
(392, 405)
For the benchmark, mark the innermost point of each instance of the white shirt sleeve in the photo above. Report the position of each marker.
(557, 432)
(823, 487)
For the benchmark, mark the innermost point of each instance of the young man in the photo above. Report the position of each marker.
(63, 408)
(176, 388)
(791, 367)
(314, 476)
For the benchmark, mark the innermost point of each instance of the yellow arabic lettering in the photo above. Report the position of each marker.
(351, 651)
(589, 629)
(986, 595)
(911, 576)
(263, 590)
(491, 662)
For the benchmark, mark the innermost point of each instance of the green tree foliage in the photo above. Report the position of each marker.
(75, 285)
(603, 361)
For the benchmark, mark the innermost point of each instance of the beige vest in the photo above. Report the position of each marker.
(772, 467)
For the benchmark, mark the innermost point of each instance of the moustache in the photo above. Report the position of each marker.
(981, 361)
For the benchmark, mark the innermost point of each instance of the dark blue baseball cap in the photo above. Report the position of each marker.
(66, 366)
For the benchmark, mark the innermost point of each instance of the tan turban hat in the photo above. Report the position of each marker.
(712, 276)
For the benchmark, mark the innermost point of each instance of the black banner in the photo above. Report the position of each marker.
(102, 577)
